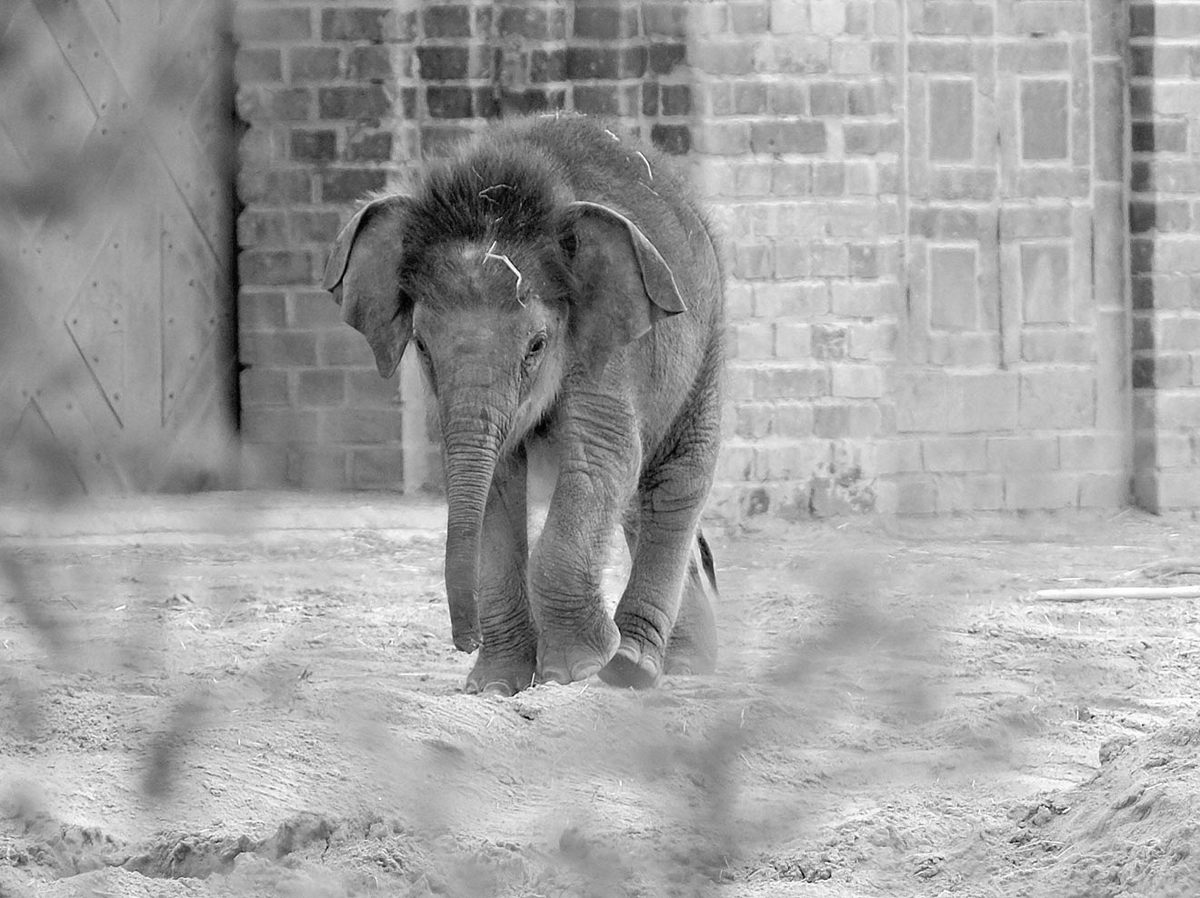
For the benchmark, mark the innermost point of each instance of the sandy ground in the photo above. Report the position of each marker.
(257, 695)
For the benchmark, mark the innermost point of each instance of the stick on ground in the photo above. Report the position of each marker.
(1090, 593)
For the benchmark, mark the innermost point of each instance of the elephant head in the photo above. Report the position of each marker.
(507, 292)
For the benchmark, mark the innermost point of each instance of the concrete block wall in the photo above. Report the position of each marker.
(1012, 382)
(1165, 252)
(926, 206)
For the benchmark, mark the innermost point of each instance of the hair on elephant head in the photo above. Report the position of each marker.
(518, 269)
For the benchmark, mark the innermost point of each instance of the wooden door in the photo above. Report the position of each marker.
(116, 334)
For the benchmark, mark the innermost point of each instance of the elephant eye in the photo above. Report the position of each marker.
(420, 344)
(536, 345)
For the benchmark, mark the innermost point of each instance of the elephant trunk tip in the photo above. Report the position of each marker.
(464, 623)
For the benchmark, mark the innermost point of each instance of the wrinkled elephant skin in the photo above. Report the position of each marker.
(564, 295)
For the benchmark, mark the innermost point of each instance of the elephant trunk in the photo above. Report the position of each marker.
(472, 445)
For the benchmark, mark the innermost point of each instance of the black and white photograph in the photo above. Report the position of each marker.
(599, 448)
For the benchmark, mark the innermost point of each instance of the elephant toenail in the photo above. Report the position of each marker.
(584, 670)
(498, 687)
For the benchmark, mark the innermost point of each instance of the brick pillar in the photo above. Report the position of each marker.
(1164, 216)
(326, 122)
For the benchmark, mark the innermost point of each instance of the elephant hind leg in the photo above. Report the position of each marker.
(692, 648)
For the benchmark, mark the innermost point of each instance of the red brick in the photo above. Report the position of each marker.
(279, 186)
(314, 63)
(829, 178)
(792, 419)
(275, 349)
(313, 146)
(320, 388)
(723, 138)
(782, 136)
(354, 24)
(281, 24)
(665, 58)
(723, 57)
(446, 21)
(342, 346)
(313, 227)
(339, 185)
(860, 299)
(939, 56)
(258, 310)
(360, 102)
(259, 228)
(753, 341)
(271, 267)
(829, 259)
(261, 387)
(839, 420)
(858, 381)
(539, 23)
(365, 388)
(313, 310)
(371, 63)
(791, 382)
(793, 341)
(873, 340)
(752, 260)
(266, 103)
(258, 64)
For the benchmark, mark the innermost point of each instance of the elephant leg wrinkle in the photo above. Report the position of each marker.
(564, 294)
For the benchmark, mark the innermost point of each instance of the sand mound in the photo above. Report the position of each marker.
(1134, 829)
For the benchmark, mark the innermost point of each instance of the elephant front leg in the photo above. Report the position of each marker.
(576, 636)
(507, 657)
(662, 544)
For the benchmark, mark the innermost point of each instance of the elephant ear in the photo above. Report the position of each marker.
(626, 283)
(363, 274)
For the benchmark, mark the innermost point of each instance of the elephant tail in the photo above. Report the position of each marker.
(703, 558)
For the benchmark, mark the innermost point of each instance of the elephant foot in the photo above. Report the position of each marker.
(686, 658)
(634, 665)
(505, 675)
(578, 654)
(689, 666)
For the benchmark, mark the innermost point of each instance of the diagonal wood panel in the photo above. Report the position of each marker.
(123, 306)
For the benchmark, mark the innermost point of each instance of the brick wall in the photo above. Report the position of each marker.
(798, 143)
(1165, 252)
(927, 212)
(323, 97)
(339, 100)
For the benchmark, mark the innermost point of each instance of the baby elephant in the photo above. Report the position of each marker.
(564, 295)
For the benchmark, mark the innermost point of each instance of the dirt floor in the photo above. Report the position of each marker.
(257, 695)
